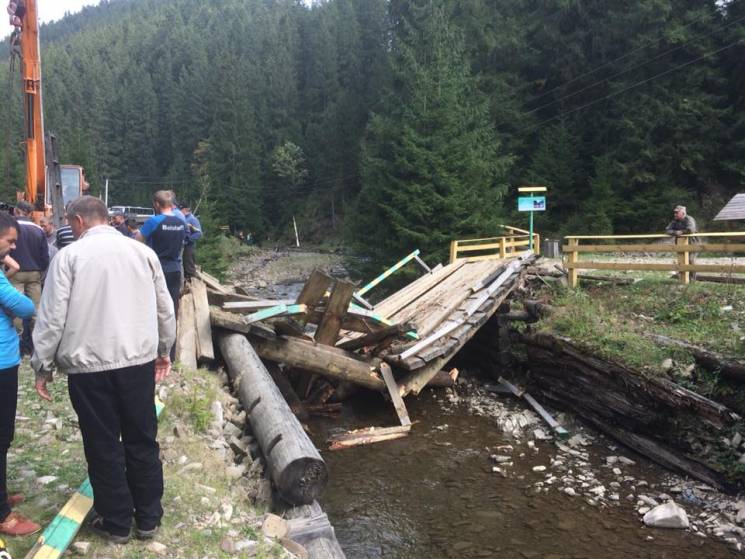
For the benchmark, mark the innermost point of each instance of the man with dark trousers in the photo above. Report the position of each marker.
(32, 255)
(13, 304)
(165, 233)
(112, 365)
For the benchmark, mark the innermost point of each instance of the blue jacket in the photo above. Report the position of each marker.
(12, 304)
(194, 230)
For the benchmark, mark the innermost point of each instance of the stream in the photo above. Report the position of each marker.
(433, 494)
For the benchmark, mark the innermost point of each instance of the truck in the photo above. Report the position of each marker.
(49, 185)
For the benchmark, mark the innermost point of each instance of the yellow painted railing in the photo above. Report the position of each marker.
(682, 247)
(515, 243)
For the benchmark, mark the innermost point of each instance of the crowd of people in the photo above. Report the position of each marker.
(58, 292)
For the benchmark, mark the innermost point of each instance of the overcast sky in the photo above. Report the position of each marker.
(50, 10)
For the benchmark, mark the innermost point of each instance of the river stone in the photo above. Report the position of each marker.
(669, 515)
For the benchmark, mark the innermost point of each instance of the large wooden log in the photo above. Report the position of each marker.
(310, 527)
(297, 469)
(326, 361)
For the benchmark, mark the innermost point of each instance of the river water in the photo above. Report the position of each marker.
(433, 495)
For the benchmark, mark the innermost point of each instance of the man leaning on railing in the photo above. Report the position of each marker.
(683, 224)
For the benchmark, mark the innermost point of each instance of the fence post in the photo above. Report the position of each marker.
(684, 259)
(572, 259)
(453, 251)
(502, 247)
(537, 244)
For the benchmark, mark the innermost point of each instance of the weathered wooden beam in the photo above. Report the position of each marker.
(186, 341)
(313, 291)
(328, 330)
(253, 306)
(730, 367)
(237, 323)
(374, 338)
(393, 392)
(326, 361)
(297, 469)
(368, 436)
(205, 349)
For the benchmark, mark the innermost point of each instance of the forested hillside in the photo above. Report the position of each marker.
(402, 123)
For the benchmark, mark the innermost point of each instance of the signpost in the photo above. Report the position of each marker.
(531, 204)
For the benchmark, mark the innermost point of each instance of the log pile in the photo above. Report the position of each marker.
(323, 346)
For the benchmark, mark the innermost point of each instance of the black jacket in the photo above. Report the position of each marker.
(31, 252)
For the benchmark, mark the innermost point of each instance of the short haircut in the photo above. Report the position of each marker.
(680, 209)
(6, 222)
(25, 207)
(88, 208)
(45, 219)
(164, 198)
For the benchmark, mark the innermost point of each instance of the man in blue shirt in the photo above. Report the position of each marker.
(193, 234)
(165, 233)
(13, 304)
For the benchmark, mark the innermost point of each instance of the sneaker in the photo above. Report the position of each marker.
(17, 525)
(96, 526)
(15, 500)
(141, 534)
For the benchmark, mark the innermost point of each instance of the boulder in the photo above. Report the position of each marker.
(669, 515)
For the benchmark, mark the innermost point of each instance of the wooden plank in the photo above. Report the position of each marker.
(368, 436)
(273, 312)
(721, 279)
(707, 247)
(212, 282)
(324, 360)
(205, 349)
(412, 292)
(328, 330)
(497, 257)
(389, 272)
(734, 209)
(393, 391)
(237, 323)
(186, 341)
(314, 290)
(585, 265)
(253, 306)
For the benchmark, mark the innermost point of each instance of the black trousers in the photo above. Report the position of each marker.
(190, 262)
(174, 284)
(126, 475)
(8, 402)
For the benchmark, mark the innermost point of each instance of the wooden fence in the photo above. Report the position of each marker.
(682, 247)
(515, 243)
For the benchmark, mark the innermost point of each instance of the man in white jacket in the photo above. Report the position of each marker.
(107, 321)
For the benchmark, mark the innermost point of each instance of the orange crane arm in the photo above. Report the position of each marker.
(25, 18)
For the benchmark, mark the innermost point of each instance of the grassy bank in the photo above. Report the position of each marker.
(615, 322)
(208, 504)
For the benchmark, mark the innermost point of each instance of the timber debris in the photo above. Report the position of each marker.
(320, 348)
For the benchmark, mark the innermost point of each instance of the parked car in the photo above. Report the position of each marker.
(136, 213)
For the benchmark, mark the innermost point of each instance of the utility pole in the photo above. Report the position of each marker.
(106, 193)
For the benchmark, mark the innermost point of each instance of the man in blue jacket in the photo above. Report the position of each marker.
(13, 304)
(165, 233)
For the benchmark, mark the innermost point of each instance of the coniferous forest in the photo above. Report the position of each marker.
(399, 124)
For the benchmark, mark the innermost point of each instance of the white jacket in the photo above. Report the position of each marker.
(105, 306)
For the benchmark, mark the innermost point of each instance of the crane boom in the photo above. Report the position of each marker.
(24, 17)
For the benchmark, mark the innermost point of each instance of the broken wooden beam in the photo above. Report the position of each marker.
(186, 341)
(731, 367)
(377, 337)
(540, 410)
(253, 306)
(393, 392)
(237, 323)
(326, 361)
(370, 435)
(297, 469)
(203, 329)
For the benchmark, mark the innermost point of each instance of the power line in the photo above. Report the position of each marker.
(665, 53)
(637, 84)
(622, 57)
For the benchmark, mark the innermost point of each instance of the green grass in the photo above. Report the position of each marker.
(615, 320)
(191, 497)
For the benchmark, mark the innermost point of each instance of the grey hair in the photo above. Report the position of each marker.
(88, 209)
(680, 209)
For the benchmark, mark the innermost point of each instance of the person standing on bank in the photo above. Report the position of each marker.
(165, 233)
(13, 304)
(112, 365)
(193, 234)
(684, 224)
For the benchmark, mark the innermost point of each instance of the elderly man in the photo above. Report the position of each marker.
(13, 305)
(683, 224)
(119, 222)
(112, 366)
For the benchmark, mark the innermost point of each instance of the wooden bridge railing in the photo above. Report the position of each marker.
(682, 247)
(515, 243)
